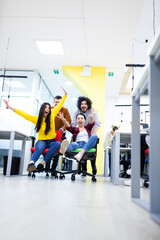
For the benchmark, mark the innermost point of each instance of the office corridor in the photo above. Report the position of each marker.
(43, 208)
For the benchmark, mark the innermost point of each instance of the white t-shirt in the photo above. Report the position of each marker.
(82, 136)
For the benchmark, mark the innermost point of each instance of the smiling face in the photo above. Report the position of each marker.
(56, 101)
(80, 120)
(46, 111)
(84, 106)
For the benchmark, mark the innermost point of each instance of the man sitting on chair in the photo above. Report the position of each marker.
(59, 125)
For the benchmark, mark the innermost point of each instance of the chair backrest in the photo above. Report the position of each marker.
(58, 136)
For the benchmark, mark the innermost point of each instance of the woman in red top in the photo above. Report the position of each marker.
(81, 135)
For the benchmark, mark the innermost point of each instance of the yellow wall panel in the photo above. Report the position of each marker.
(94, 88)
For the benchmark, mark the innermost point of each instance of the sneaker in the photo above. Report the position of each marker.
(129, 171)
(122, 174)
(127, 176)
(31, 167)
(40, 167)
(128, 182)
(78, 156)
(64, 146)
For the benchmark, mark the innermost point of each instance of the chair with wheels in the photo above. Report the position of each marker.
(47, 169)
(81, 168)
(145, 175)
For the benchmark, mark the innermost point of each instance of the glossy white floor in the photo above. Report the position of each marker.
(43, 208)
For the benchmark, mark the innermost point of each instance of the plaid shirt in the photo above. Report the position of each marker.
(75, 130)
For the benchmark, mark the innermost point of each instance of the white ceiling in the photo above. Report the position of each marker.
(93, 32)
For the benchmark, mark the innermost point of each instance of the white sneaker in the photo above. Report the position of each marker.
(64, 146)
(78, 156)
(128, 182)
(129, 171)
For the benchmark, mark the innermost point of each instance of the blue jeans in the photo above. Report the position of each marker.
(40, 147)
(90, 144)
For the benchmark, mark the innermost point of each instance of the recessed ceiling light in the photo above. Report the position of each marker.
(50, 47)
(68, 83)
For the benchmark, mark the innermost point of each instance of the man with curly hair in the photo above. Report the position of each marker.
(84, 106)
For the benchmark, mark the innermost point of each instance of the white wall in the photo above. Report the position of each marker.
(116, 115)
(145, 31)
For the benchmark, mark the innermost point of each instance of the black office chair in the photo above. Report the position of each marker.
(89, 155)
(145, 174)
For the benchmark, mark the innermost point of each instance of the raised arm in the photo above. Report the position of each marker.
(59, 106)
(61, 116)
(92, 115)
(73, 122)
(23, 114)
(7, 105)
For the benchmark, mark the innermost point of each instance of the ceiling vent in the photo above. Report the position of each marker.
(86, 71)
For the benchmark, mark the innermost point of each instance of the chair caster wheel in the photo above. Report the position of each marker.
(94, 179)
(146, 184)
(33, 175)
(73, 178)
(56, 177)
(61, 176)
(29, 174)
(47, 175)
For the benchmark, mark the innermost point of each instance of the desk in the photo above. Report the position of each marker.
(14, 135)
(149, 82)
(107, 150)
(119, 138)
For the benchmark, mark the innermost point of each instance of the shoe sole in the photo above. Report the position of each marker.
(32, 168)
(64, 146)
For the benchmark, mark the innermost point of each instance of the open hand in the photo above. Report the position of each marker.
(64, 91)
(6, 102)
(60, 115)
(93, 112)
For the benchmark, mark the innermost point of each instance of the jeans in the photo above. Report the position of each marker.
(109, 160)
(91, 143)
(40, 147)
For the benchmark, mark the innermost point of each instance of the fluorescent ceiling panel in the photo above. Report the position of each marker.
(50, 47)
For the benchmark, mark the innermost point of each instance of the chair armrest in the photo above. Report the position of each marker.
(33, 140)
(63, 136)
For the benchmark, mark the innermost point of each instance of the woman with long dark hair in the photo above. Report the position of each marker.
(45, 127)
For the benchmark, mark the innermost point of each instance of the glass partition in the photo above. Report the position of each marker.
(18, 81)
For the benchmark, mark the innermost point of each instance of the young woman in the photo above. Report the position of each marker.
(81, 135)
(44, 125)
(107, 143)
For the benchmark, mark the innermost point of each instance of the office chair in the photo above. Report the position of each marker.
(145, 175)
(47, 169)
(89, 155)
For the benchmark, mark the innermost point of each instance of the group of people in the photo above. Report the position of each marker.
(83, 126)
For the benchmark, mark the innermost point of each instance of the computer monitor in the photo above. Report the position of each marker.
(144, 125)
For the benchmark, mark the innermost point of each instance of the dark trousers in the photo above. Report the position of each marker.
(143, 147)
(93, 164)
(54, 164)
